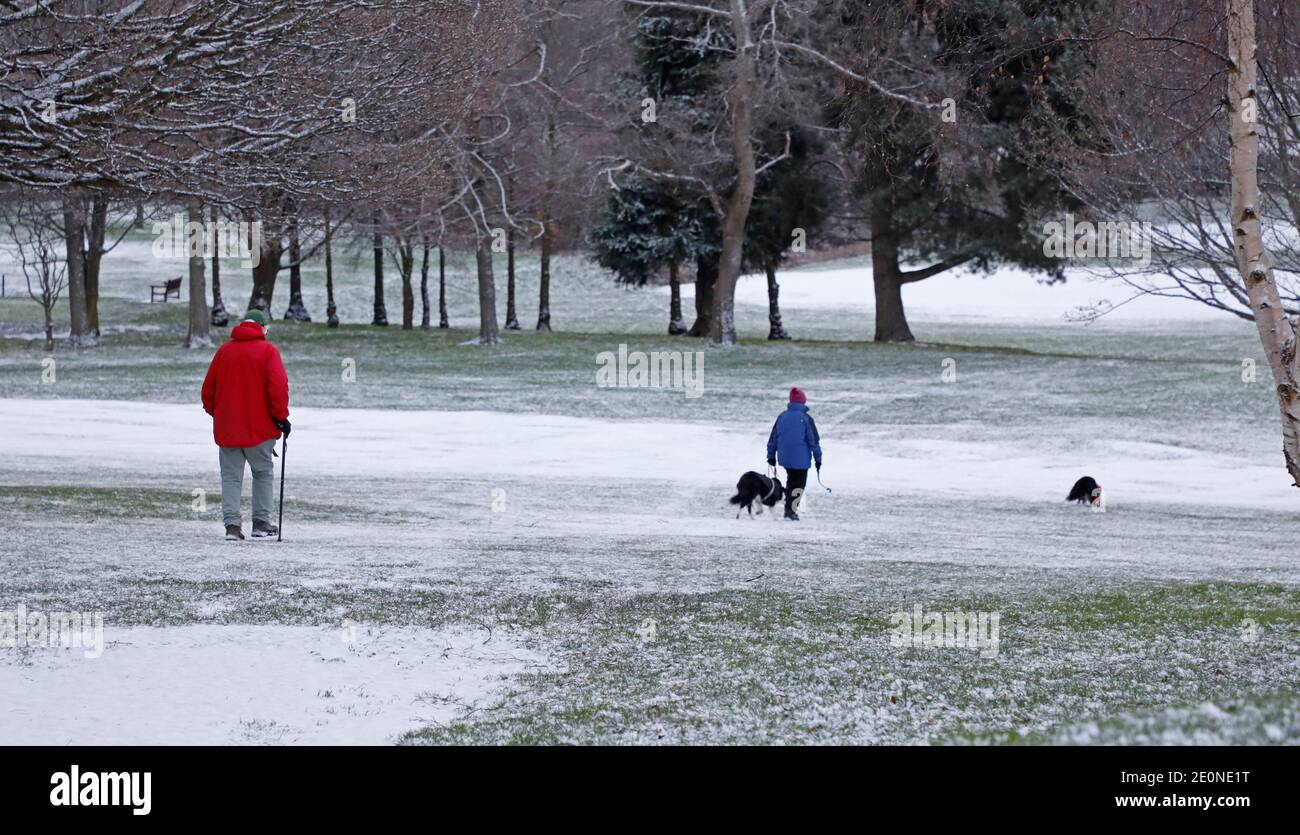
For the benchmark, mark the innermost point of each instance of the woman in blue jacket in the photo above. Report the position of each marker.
(796, 444)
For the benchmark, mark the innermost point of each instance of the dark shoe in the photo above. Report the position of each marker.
(233, 532)
(264, 529)
(791, 515)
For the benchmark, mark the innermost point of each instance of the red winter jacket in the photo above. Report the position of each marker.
(246, 389)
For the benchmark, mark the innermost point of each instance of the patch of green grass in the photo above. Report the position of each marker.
(766, 666)
(882, 385)
(133, 502)
(1173, 609)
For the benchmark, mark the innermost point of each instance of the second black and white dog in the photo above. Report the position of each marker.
(1086, 491)
(756, 487)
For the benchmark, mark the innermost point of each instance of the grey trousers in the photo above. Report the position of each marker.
(261, 461)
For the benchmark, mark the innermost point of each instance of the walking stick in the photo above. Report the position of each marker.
(279, 529)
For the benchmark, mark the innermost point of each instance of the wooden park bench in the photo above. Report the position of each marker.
(164, 291)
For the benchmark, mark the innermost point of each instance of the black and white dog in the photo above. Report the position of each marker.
(752, 487)
(1085, 491)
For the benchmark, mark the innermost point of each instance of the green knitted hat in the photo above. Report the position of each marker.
(257, 316)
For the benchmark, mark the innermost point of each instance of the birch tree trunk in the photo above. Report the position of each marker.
(723, 329)
(1277, 334)
(199, 335)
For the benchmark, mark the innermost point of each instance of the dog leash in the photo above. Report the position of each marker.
(771, 475)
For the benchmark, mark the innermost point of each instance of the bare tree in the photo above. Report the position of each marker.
(86, 104)
(1165, 161)
(1277, 333)
(1160, 149)
(403, 253)
(769, 48)
(554, 96)
(37, 239)
(742, 195)
(738, 15)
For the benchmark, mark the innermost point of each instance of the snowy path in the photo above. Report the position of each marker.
(636, 503)
(39, 438)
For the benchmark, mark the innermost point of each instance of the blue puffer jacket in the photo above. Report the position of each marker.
(794, 441)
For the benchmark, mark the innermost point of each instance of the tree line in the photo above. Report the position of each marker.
(692, 140)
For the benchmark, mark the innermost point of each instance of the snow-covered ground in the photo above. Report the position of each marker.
(1005, 295)
(472, 548)
(481, 545)
(174, 441)
(217, 685)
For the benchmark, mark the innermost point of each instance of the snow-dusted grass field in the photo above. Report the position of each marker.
(483, 546)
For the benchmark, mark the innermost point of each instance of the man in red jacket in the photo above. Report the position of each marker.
(247, 394)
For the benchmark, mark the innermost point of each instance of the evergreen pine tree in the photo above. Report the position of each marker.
(965, 189)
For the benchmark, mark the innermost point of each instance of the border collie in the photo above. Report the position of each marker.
(1085, 491)
(752, 487)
